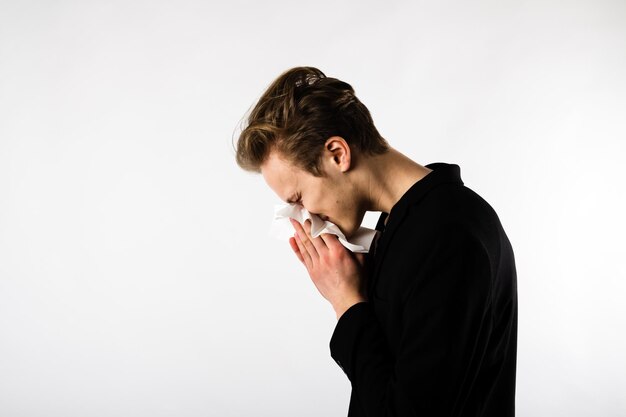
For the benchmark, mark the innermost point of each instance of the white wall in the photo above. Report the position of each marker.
(136, 274)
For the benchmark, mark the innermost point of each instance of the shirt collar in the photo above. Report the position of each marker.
(441, 173)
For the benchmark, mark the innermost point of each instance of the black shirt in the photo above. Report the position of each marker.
(438, 334)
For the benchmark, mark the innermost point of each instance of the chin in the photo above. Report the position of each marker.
(348, 232)
(350, 229)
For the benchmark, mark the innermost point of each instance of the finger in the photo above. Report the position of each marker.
(304, 239)
(332, 242)
(318, 242)
(294, 247)
(305, 254)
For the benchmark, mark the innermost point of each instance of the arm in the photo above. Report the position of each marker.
(445, 320)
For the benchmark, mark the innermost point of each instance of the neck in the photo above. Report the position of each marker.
(387, 179)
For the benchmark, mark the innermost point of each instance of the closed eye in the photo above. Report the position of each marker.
(296, 200)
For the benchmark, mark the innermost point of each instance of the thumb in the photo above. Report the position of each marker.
(360, 257)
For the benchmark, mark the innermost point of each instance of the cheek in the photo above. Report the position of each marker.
(331, 202)
(322, 207)
(320, 201)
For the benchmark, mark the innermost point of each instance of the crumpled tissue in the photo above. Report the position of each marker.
(282, 228)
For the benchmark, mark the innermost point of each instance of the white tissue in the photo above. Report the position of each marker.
(283, 229)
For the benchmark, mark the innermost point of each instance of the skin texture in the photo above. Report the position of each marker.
(335, 271)
(352, 184)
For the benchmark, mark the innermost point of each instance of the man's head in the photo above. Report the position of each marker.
(305, 135)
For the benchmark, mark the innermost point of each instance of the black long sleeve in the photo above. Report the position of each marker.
(446, 325)
(438, 334)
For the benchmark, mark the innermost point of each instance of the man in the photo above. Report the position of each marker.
(427, 321)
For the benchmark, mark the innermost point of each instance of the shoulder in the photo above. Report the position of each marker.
(449, 212)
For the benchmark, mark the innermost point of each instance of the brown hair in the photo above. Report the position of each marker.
(298, 112)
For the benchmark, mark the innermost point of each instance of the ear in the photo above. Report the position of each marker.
(337, 153)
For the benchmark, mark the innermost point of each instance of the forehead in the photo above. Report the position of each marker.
(281, 175)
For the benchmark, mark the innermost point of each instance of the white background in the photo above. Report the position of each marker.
(136, 274)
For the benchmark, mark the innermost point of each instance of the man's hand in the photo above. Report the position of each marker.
(336, 272)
